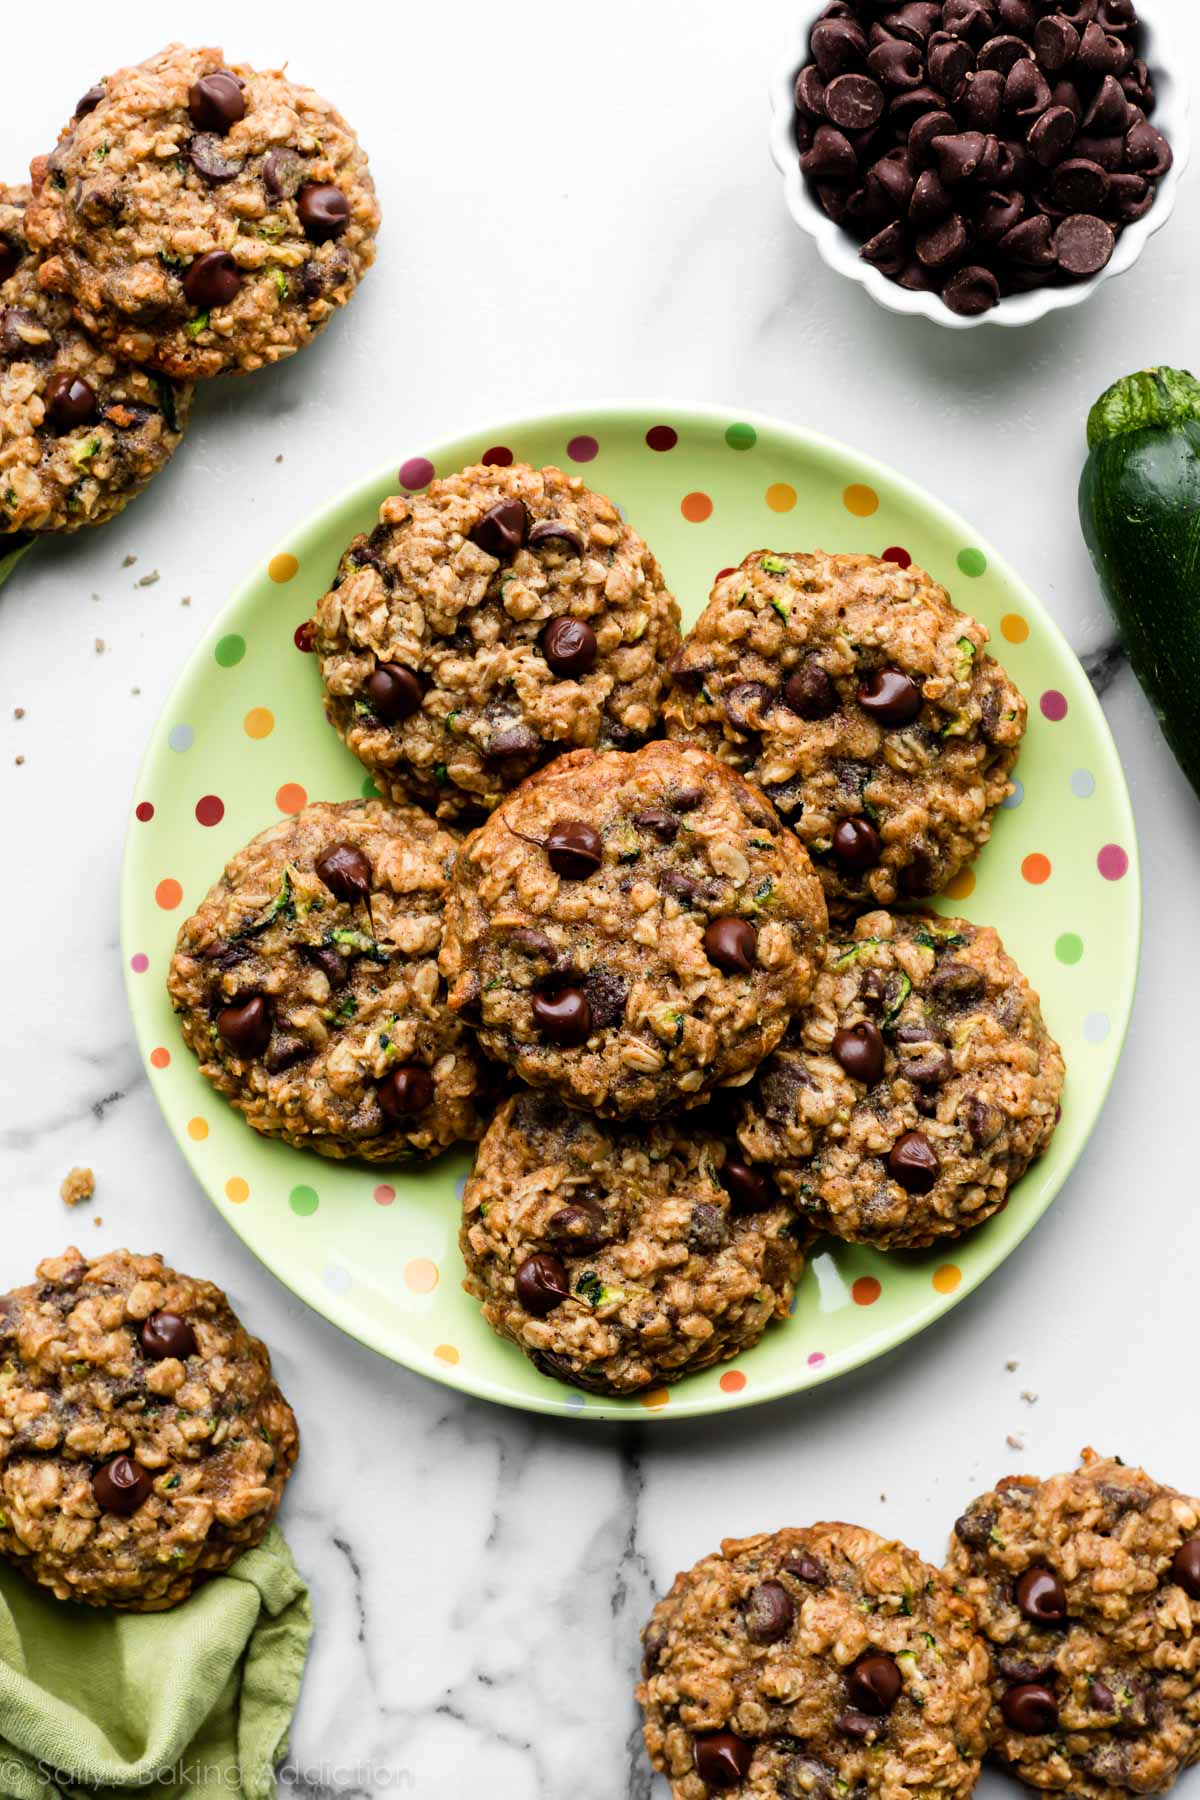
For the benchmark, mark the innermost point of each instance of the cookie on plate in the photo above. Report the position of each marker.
(307, 984)
(202, 216)
(1087, 1587)
(865, 705)
(810, 1663)
(915, 1088)
(143, 1442)
(617, 1256)
(487, 624)
(80, 431)
(632, 930)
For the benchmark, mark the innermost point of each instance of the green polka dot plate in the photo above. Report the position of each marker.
(243, 740)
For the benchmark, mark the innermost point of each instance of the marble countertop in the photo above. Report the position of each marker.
(579, 204)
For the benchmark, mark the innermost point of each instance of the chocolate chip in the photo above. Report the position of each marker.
(501, 531)
(1050, 136)
(856, 844)
(346, 872)
(1003, 52)
(897, 64)
(943, 245)
(830, 156)
(686, 799)
(323, 209)
(574, 849)
(951, 60)
(807, 1569)
(405, 1092)
(606, 995)
(88, 102)
(854, 102)
(1055, 43)
(1026, 91)
(1016, 15)
(706, 1227)
(969, 18)
(1108, 115)
(211, 280)
(983, 1123)
(838, 45)
(859, 1049)
(911, 104)
(1129, 196)
(748, 1189)
(1084, 244)
(1041, 1597)
(246, 1026)
(971, 291)
(664, 825)
(553, 531)
(810, 92)
(1099, 52)
(680, 886)
(1079, 186)
(1101, 1696)
(1185, 1568)
(70, 401)
(563, 1017)
(860, 1726)
(1147, 150)
(873, 1684)
(731, 944)
(569, 646)
(165, 1334)
(208, 159)
(580, 1226)
(283, 173)
(955, 983)
(1030, 1708)
(929, 1070)
(809, 691)
(541, 1284)
(1030, 242)
(393, 692)
(913, 1162)
(216, 102)
(892, 177)
(974, 1528)
(10, 258)
(914, 20)
(722, 1760)
(959, 155)
(930, 201)
(284, 1051)
(121, 1486)
(982, 100)
(886, 251)
(770, 1613)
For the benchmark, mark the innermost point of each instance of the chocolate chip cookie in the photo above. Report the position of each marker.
(632, 930)
(143, 1442)
(204, 216)
(616, 1256)
(80, 432)
(307, 985)
(1087, 1587)
(865, 705)
(485, 625)
(918, 1084)
(813, 1663)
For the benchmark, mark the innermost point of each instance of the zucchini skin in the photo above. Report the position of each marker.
(1139, 506)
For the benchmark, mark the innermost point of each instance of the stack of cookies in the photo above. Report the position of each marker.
(660, 977)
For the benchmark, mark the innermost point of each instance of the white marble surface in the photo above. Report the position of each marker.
(578, 204)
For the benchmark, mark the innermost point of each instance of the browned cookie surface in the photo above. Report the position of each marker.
(867, 708)
(616, 1256)
(204, 216)
(486, 625)
(1087, 1587)
(914, 1089)
(632, 930)
(307, 984)
(80, 431)
(808, 1664)
(143, 1442)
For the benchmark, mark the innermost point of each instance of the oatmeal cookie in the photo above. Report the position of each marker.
(1087, 1587)
(632, 930)
(307, 984)
(485, 625)
(204, 216)
(616, 1256)
(811, 1663)
(915, 1088)
(143, 1442)
(80, 432)
(865, 705)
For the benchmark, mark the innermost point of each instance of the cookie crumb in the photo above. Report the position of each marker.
(97, 1220)
(127, 564)
(18, 712)
(279, 458)
(99, 646)
(1029, 1396)
(18, 760)
(1014, 1442)
(135, 690)
(186, 601)
(1012, 1364)
(79, 1185)
(149, 579)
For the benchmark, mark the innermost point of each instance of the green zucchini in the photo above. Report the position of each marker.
(1139, 505)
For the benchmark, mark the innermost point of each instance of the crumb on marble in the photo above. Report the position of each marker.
(186, 600)
(129, 561)
(1014, 1442)
(1012, 1364)
(1029, 1397)
(100, 646)
(18, 760)
(79, 1185)
(148, 579)
(18, 712)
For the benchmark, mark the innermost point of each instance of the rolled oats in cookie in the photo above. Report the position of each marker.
(812, 1663)
(867, 708)
(202, 216)
(484, 626)
(615, 1256)
(307, 984)
(1087, 1588)
(143, 1442)
(632, 930)
(81, 433)
(914, 1089)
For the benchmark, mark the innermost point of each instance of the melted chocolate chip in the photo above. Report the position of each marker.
(580, 1226)
(873, 1684)
(501, 531)
(806, 1568)
(890, 697)
(664, 825)
(1185, 1568)
(541, 1284)
(1030, 1708)
(856, 844)
(731, 944)
(722, 1760)
(913, 1162)
(748, 1188)
(569, 646)
(859, 1049)
(246, 1026)
(547, 532)
(323, 209)
(564, 1017)
(809, 691)
(769, 1613)
(208, 159)
(1041, 1597)
(212, 280)
(88, 102)
(346, 872)
(406, 1091)
(393, 692)
(121, 1486)
(216, 102)
(70, 401)
(574, 849)
(166, 1334)
(282, 173)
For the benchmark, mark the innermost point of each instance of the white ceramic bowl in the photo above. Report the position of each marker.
(840, 250)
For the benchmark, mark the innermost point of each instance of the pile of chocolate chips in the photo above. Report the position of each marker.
(980, 148)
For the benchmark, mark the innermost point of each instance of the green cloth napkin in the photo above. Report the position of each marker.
(195, 1701)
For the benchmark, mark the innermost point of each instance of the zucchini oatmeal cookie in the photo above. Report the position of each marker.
(1087, 1587)
(307, 985)
(485, 625)
(915, 1088)
(616, 1256)
(80, 432)
(143, 1442)
(808, 1664)
(867, 708)
(632, 930)
(204, 217)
